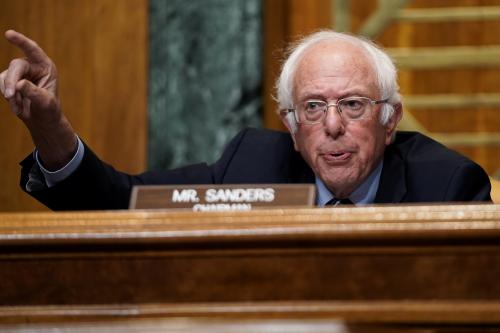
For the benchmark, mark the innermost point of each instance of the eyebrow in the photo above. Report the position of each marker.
(319, 96)
(312, 96)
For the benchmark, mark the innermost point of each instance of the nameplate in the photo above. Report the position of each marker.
(208, 198)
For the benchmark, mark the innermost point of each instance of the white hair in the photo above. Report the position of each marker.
(383, 65)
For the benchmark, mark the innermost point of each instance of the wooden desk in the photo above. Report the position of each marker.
(411, 268)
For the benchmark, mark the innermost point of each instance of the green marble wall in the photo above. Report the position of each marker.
(205, 77)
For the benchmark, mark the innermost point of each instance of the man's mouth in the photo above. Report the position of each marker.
(337, 157)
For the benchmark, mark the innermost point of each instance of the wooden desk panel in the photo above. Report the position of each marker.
(387, 265)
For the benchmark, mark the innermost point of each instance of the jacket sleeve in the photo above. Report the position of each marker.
(96, 185)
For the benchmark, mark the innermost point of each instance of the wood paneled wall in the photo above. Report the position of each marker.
(100, 49)
(285, 21)
(472, 122)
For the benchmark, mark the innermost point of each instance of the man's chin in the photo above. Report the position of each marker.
(339, 187)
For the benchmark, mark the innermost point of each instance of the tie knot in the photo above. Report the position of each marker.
(338, 202)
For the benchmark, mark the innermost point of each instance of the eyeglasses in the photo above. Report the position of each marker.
(350, 108)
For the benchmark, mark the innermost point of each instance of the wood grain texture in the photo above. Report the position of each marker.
(372, 269)
(419, 253)
(373, 312)
(100, 48)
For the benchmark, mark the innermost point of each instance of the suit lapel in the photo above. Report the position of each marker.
(392, 185)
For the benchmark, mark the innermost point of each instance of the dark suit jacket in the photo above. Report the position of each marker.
(416, 169)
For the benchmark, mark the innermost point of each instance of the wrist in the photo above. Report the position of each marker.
(57, 146)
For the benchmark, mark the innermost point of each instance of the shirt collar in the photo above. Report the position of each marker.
(362, 195)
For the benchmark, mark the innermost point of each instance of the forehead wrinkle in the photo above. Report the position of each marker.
(328, 64)
(324, 92)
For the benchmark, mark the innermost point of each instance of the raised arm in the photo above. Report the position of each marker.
(30, 86)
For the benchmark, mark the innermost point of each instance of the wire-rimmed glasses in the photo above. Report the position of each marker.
(349, 108)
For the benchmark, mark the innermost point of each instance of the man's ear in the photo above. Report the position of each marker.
(288, 119)
(392, 124)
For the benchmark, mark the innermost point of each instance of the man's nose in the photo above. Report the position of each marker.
(334, 124)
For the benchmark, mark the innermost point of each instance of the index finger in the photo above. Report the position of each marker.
(29, 47)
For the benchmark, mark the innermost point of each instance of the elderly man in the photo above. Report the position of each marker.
(339, 99)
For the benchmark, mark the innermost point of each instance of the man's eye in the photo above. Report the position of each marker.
(314, 106)
(353, 104)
